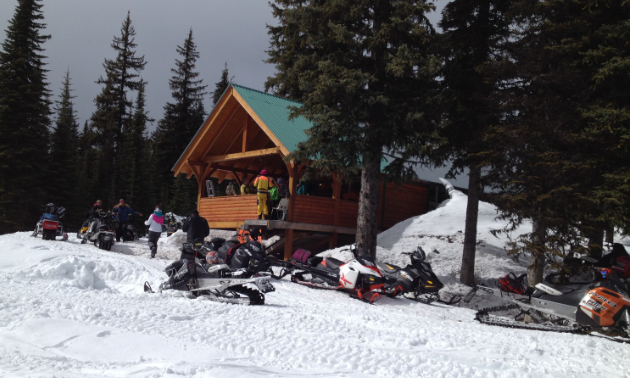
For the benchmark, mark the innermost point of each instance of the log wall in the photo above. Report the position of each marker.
(228, 208)
(402, 203)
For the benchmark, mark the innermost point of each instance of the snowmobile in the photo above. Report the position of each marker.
(129, 230)
(360, 277)
(49, 225)
(100, 232)
(600, 308)
(216, 282)
(416, 281)
(171, 224)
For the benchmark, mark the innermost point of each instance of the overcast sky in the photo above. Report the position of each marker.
(225, 31)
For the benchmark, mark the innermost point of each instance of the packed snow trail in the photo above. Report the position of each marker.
(72, 310)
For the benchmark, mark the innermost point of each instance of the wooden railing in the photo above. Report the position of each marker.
(228, 208)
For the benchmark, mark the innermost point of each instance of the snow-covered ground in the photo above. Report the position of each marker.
(72, 310)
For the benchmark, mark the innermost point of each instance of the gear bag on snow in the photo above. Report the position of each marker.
(301, 255)
(252, 256)
(513, 284)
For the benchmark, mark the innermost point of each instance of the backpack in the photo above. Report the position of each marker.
(301, 255)
(274, 195)
(513, 284)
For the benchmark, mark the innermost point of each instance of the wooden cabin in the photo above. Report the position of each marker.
(248, 131)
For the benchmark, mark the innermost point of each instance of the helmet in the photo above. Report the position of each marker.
(50, 208)
(263, 172)
(254, 233)
(213, 258)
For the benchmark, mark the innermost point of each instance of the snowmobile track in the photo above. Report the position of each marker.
(484, 316)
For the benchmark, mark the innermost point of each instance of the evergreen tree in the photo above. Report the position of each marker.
(135, 180)
(112, 118)
(552, 152)
(63, 157)
(181, 119)
(364, 73)
(472, 31)
(24, 119)
(221, 85)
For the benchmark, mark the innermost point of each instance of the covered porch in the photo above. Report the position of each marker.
(249, 131)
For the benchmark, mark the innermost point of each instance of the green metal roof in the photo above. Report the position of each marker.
(274, 112)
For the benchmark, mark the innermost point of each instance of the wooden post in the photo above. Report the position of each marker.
(337, 197)
(288, 236)
(245, 134)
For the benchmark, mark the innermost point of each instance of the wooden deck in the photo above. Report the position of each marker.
(231, 212)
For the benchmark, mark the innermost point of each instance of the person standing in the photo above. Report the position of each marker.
(245, 189)
(195, 227)
(262, 185)
(283, 188)
(155, 222)
(123, 211)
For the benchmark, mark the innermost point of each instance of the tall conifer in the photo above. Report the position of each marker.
(181, 120)
(221, 85)
(364, 73)
(24, 119)
(473, 30)
(112, 118)
(63, 157)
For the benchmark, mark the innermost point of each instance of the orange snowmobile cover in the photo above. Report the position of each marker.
(602, 305)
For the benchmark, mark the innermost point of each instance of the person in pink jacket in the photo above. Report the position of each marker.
(155, 222)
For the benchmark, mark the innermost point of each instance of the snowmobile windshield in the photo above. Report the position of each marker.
(366, 260)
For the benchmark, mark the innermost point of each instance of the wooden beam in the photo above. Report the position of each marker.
(226, 168)
(245, 125)
(242, 155)
(223, 126)
(238, 179)
(201, 135)
(260, 123)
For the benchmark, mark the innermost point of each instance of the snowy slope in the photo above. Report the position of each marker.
(71, 310)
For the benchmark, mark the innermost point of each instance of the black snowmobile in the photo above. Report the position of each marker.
(130, 230)
(100, 232)
(215, 281)
(416, 281)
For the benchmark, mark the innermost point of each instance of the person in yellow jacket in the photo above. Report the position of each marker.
(262, 184)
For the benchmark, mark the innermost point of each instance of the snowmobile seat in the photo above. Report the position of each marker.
(332, 264)
(570, 299)
(561, 288)
(571, 295)
(314, 261)
(388, 268)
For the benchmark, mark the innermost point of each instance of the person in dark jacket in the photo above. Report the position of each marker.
(93, 213)
(195, 227)
(122, 212)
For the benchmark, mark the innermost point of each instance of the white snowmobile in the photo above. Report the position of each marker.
(216, 282)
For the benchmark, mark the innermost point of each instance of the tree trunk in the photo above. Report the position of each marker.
(610, 235)
(537, 261)
(596, 242)
(467, 275)
(368, 205)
